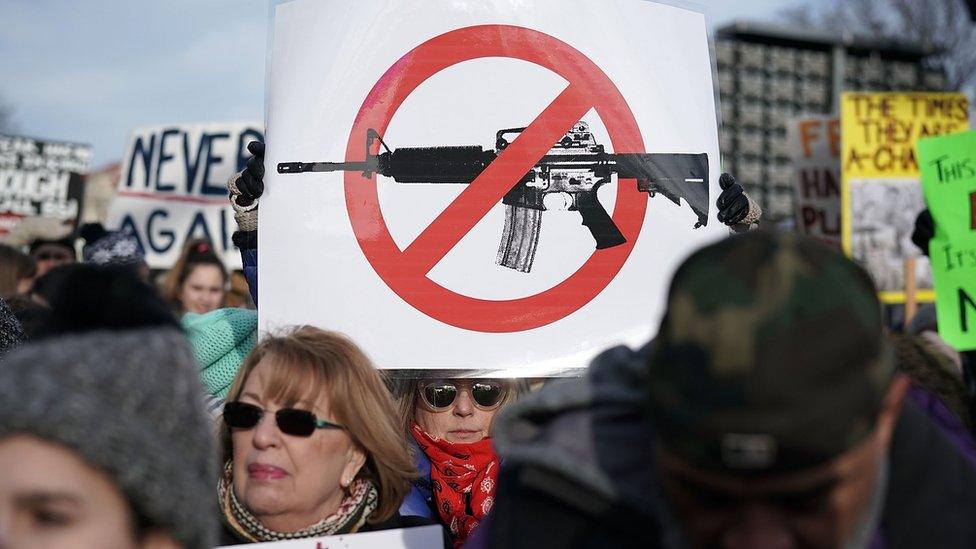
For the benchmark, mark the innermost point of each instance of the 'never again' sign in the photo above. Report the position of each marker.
(173, 187)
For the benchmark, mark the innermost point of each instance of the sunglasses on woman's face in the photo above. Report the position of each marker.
(291, 421)
(440, 394)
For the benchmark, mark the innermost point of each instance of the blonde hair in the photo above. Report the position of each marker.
(308, 361)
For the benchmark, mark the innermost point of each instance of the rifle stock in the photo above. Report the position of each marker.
(674, 175)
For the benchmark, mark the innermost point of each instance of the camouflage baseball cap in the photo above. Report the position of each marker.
(770, 357)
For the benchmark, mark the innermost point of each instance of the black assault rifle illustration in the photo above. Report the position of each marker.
(576, 166)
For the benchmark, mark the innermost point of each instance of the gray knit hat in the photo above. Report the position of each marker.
(11, 332)
(130, 404)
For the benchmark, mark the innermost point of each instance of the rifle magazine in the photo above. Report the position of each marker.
(520, 236)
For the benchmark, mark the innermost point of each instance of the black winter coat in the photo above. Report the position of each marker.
(580, 472)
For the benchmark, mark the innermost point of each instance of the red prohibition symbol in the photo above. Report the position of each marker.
(405, 271)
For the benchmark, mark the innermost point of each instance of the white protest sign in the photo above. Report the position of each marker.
(440, 261)
(41, 178)
(420, 537)
(815, 146)
(173, 187)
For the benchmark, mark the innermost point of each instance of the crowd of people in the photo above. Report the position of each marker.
(773, 409)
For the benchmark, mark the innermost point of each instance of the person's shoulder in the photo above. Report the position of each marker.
(931, 489)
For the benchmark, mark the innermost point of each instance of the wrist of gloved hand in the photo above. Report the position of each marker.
(245, 210)
(246, 187)
(750, 221)
(245, 240)
(735, 209)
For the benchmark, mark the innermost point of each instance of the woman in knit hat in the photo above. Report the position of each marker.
(311, 444)
(104, 444)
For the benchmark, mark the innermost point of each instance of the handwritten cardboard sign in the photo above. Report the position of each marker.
(40, 178)
(880, 129)
(174, 187)
(880, 192)
(815, 146)
(948, 167)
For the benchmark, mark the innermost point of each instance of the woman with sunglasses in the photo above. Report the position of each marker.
(311, 445)
(450, 421)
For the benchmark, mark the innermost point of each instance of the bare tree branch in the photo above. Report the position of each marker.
(801, 15)
(941, 24)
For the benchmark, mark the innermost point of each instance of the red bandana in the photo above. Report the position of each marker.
(463, 477)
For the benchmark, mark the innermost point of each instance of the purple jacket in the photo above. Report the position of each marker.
(948, 424)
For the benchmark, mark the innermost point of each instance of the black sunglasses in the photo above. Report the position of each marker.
(440, 394)
(291, 421)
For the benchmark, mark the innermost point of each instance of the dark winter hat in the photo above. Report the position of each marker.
(110, 247)
(130, 404)
(770, 357)
(87, 298)
(67, 243)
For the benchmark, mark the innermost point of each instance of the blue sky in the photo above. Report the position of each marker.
(92, 71)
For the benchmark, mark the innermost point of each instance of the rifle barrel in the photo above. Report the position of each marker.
(300, 167)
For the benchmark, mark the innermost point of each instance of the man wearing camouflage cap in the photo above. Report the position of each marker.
(766, 413)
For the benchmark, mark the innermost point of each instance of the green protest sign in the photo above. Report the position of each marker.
(948, 166)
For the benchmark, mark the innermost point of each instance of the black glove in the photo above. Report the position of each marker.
(924, 230)
(246, 187)
(733, 204)
(251, 182)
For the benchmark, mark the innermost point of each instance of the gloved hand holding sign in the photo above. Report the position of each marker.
(246, 186)
(735, 208)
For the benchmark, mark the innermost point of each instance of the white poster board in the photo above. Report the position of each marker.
(41, 178)
(173, 187)
(815, 146)
(412, 269)
(420, 537)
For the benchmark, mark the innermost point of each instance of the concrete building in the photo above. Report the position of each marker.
(770, 74)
